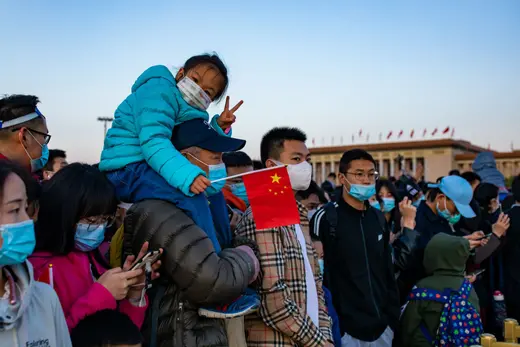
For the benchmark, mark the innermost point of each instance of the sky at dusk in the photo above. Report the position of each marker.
(330, 68)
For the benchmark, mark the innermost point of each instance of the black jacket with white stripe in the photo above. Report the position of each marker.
(358, 269)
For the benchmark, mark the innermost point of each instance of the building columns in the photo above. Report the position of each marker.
(392, 167)
(332, 168)
(414, 165)
(323, 175)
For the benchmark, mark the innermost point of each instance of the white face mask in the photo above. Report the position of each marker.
(193, 94)
(299, 174)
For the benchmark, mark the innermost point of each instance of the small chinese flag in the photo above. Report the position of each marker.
(271, 198)
(46, 276)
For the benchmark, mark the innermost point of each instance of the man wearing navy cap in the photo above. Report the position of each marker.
(23, 132)
(446, 202)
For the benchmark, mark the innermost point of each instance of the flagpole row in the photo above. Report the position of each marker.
(248, 173)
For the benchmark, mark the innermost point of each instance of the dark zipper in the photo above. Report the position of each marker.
(368, 268)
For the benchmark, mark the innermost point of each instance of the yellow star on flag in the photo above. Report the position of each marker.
(276, 179)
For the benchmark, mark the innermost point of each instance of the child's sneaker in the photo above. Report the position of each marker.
(245, 304)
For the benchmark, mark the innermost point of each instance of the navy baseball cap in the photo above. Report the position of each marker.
(199, 133)
(459, 191)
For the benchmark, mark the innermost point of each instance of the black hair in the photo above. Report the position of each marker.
(7, 168)
(432, 194)
(209, 59)
(471, 177)
(395, 214)
(273, 142)
(332, 174)
(484, 193)
(236, 159)
(454, 173)
(515, 188)
(350, 156)
(53, 154)
(15, 106)
(105, 328)
(314, 188)
(257, 165)
(75, 192)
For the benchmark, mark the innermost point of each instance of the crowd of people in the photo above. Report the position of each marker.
(157, 244)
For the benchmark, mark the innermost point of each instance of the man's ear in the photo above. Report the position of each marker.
(270, 163)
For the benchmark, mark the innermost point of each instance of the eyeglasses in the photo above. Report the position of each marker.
(99, 220)
(372, 176)
(46, 137)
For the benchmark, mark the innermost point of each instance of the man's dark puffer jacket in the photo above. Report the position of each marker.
(193, 274)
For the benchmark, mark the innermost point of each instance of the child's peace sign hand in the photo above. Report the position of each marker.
(227, 117)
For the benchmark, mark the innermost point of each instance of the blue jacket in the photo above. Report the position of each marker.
(336, 333)
(143, 126)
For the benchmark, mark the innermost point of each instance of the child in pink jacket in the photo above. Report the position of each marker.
(76, 207)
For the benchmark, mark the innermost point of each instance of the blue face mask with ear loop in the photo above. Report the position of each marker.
(18, 242)
(239, 190)
(215, 172)
(417, 202)
(89, 236)
(361, 192)
(39, 163)
(452, 219)
(388, 204)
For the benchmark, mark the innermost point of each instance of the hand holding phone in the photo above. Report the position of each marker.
(150, 257)
(487, 236)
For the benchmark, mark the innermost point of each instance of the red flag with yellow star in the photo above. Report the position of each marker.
(271, 198)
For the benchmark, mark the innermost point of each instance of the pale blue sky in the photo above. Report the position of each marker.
(328, 67)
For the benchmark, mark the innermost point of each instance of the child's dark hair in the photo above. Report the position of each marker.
(105, 328)
(210, 59)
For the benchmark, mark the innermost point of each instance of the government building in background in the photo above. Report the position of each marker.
(437, 157)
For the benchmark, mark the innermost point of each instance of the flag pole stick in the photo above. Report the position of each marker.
(247, 173)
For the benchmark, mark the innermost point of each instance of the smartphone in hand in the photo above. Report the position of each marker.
(150, 257)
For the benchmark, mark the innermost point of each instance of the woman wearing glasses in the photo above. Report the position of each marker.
(77, 205)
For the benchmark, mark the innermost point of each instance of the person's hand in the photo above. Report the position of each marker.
(408, 212)
(235, 218)
(227, 117)
(471, 278)
(474, 244)
(200, 184)
(501, 226)
(118, 282)
(135, 291)
(328, 344)
(476, 236)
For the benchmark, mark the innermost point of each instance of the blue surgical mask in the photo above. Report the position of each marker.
(452, 219)
(39, 163)
(311, 213)
(239, 190)
(89, 236)
(216, 172)
(18, 242)
(321, 263)
(361, 192)
(388, 204)
(417, 202)
(375, 204)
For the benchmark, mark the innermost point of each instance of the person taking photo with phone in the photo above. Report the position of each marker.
(77, 205)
